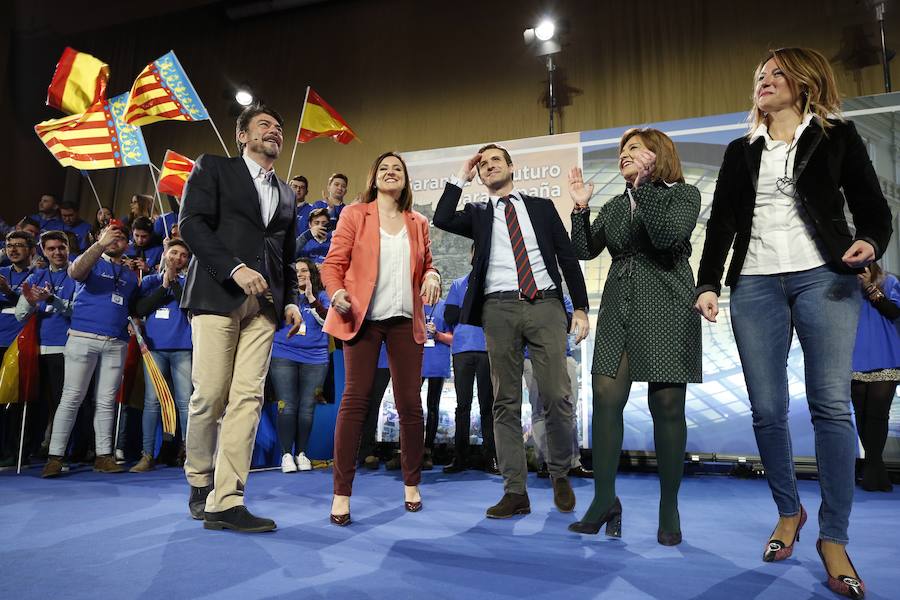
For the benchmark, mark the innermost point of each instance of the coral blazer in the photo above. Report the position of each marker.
(352, 265)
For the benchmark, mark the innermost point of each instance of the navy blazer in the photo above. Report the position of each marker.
(475, 221)
(831, 166)
(221, 221)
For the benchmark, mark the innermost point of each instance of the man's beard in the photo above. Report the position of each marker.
(267, 149)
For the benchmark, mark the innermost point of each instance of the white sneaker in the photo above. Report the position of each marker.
(287, 464)
(120, 456)
(303, 463)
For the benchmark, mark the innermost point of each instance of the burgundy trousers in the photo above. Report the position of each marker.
(360, 362)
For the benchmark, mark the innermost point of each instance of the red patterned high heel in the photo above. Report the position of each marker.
(777, 550)
(851, 587)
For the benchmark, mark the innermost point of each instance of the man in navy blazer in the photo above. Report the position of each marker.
(515, 293)
(239, 220)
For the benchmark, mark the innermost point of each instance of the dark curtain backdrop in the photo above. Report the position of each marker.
(414, 74)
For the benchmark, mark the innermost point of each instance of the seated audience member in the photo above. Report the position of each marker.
(98, 339)
(168, 336)
(20, 250)
(315, 241)
(145, 250)
(101, 220)
(334, 198)
(47, 216)
(164, 225)
(298, 368)
(50, 301)
(73, 223)
(300, 185)
(140, 205)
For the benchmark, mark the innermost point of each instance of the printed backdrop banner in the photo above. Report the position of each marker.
(718, 411)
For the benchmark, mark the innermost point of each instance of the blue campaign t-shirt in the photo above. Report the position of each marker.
(164, 224)
(315, 250)
(81, 231)
(436, 360)
(310, 348)
(102, 300)
(53, 327)
(51, 224)
(9, 325)
(382, 357)
(466, 338)
(167, 328)
(152, 254)
(303, 214)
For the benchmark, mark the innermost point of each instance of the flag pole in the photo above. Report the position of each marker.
(297, 137)
(219, 135)
(22, 438)
(162, 212)
(93, 189)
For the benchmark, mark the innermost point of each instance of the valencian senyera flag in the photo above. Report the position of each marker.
(320, 120)
(78, 83)
(98, 138)
(163, 92)
(174, 174)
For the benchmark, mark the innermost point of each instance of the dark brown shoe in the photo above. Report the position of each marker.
(197, 501)
(144, 465)
(563, 496)
(580, 471)
(237, 518)
(53, 468)
(510, 505)
(106, 463)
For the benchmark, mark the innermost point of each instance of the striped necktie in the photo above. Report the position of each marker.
(527, 286)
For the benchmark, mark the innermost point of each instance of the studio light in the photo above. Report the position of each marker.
(243, 97)
(545, 30)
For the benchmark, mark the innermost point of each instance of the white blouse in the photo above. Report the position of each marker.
(393, 296)
(782, 236)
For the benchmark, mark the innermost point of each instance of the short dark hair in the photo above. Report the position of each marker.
(176, 242)
(55, 199)
(68, 205)
(21, 235)
(319, 212)
(59, 236)
(339, 176)
(243, 120)
(28, 221)
(300, 178)
(143, 224)
(496, 147)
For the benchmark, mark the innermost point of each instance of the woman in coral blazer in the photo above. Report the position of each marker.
(377, 274)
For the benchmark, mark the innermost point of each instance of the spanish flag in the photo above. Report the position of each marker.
(163, 92)
(98, 138)
(78, 83)
(174, 174)
(320, 120)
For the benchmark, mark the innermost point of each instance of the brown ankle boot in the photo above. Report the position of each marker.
(145, 464)
(53, 468)
(106, 463)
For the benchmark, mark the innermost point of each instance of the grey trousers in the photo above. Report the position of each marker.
(508, 326)
(538, 430)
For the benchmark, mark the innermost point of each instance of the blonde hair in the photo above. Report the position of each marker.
(809, 77)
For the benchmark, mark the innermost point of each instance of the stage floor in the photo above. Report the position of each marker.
(88, 535)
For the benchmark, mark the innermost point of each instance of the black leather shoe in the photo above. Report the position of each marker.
(510, 505)
(563, 496)
(580, 471)
(237, 518)
(491, 467)
(612, 518)
(457, 466)
(543, 472)
(197, 501)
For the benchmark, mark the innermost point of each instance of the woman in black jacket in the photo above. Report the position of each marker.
(778, 200)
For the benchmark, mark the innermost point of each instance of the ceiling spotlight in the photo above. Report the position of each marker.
(243, 97)
(545, 30)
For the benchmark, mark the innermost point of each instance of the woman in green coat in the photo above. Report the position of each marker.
(647, 329)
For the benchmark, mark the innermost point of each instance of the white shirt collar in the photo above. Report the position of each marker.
(763, 129)
(516, 196)
(256, 171)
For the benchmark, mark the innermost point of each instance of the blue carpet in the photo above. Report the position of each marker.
(88, 535)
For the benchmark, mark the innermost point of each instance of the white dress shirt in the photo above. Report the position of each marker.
(266, 188)
(502, 275)
(782, 237)
(393, 296)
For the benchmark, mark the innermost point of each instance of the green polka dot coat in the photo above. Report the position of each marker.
(647, 304)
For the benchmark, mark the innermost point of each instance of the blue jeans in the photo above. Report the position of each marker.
(823, 307)
(295, 386)
(175, 366)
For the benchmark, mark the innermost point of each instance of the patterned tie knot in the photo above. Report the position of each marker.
(269, 176)
(505, 200)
